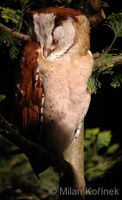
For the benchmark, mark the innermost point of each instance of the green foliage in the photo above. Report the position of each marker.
(11, 42)
(114, 21)
(105, 4)
(24, 8)
(2, 97)
(117, 80)
(17, 179)
(106, 59)
(103, 139)
(15, 18)
(112, 149)
(100, 155)
(114, 73)
(10, 15)
(94, 83)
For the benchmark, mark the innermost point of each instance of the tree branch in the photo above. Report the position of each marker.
(97, 18)
(39, 157)
(115, 60)
(16, 34)
(96, 4)
(73, 179)
(72, 175)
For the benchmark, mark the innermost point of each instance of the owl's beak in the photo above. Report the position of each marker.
(46, 52)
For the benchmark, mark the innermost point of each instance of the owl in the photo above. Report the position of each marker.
(54, 75)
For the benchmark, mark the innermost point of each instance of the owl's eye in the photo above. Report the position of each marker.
(58, 33)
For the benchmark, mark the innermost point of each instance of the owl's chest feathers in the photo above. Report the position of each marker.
(69, 70)
(65, 81)
(66, 98)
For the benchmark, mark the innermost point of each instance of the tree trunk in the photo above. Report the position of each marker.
(72, 181)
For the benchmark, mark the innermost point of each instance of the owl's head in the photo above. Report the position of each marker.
(60, 31)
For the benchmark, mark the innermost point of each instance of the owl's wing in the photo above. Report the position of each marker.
(31, 92)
